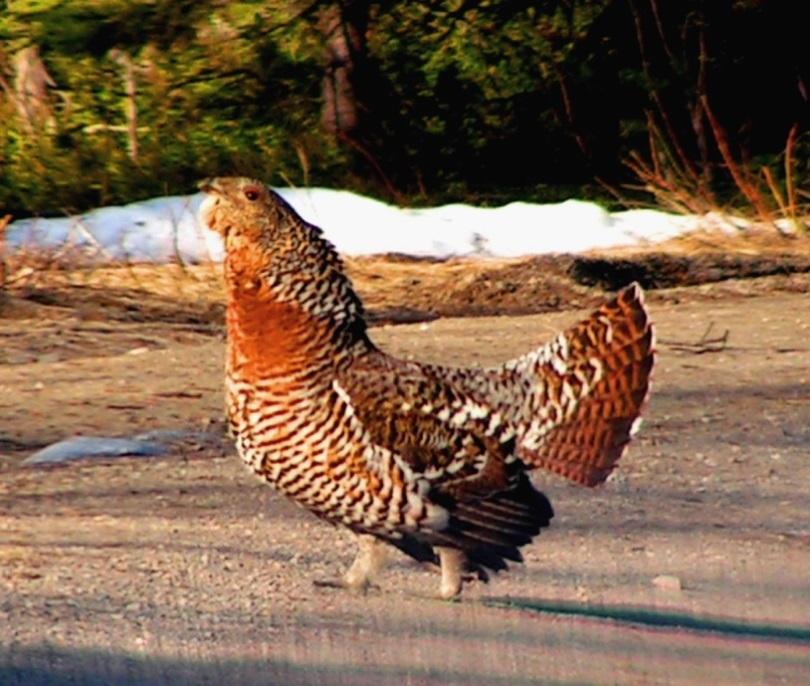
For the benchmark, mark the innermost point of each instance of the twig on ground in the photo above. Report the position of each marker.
(703, 345)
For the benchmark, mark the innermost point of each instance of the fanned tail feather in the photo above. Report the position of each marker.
(590, 384)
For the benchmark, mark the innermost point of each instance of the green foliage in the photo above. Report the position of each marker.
(474, 88)
(484, 100)
(213, 96)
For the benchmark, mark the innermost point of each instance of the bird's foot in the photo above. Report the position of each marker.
(358, 579)
(453, 564)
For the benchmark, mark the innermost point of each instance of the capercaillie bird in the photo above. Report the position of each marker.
(432, 460)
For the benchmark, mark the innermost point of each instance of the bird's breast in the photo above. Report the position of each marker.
(279, 370)
(267, 339)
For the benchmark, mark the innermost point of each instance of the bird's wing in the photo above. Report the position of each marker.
(463, 448)
(443, 435)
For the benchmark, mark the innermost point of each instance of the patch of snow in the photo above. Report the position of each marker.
(154, 230)
(166, 228)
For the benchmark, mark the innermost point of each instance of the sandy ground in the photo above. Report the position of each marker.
(185, 570)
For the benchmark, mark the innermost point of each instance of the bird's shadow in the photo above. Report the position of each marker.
(729, 627)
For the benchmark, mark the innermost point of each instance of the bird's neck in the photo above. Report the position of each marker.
(290, 311)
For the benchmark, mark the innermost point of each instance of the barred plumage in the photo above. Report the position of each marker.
(430, 459)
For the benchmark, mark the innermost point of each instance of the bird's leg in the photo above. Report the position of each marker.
(453, 564)
(368, 562)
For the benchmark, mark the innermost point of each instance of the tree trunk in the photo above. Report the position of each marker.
(344, 25)
(131, 108)
(31, 83)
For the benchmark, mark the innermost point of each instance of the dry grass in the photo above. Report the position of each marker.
(672, 179)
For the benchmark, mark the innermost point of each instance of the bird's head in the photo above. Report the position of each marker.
(273, 252)
(243, 211)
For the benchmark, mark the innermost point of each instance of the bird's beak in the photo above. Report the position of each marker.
(209, 186)
(207, 210)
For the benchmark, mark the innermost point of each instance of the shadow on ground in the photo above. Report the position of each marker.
(49, 666)
(656, 617)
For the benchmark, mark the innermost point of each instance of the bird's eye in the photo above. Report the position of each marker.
(251, 194)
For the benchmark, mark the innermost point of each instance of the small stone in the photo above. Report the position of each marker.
(667, 582)
(50, 357)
